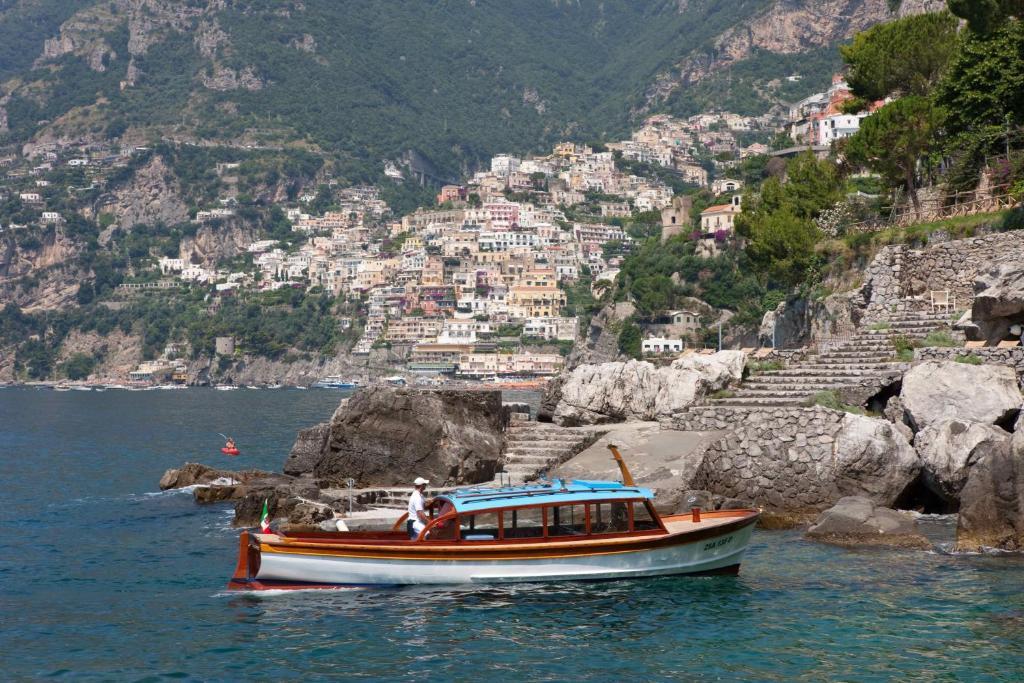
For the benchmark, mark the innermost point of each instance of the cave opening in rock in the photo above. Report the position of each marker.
(919, 498)
(1009, 420)
(877, 402)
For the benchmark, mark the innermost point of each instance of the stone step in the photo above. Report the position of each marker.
(537, 436)
(812, 386)
(759, 402)
(529, 460)
(771, 393)
(821, 370)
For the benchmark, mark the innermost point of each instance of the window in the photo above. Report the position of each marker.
(567, 520)
(479, 527)
(524, 523)
(642, 519)
(609, 518)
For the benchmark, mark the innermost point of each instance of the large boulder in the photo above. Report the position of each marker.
(871, 458)
(637, 390)
(387, 436)
(938, 390)
(998, 299)
(309, 446)
(858, 521)
(949, 448)
(992, 501)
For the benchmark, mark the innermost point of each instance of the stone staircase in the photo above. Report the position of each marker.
(531, 449)
(856, 366)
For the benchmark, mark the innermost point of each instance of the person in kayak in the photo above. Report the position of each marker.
(230, 445)
(417, 509)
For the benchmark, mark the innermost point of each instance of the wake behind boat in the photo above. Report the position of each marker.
(556, 531)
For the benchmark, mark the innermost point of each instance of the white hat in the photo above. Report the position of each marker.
(420, 481)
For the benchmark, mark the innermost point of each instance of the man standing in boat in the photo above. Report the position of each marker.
(417, 509)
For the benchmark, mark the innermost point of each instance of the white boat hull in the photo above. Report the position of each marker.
(711, 554)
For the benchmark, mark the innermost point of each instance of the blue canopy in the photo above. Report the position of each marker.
(576, 491)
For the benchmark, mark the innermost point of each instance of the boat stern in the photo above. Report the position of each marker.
(248, 565)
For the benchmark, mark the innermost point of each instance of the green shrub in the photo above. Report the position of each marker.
(879, 327)
(903, 343)
(968, 359)
(941, 339)
(723, 393)
(832, 400)
(765, 365)
(905, 356)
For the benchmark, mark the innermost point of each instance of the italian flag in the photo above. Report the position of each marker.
(265, 518)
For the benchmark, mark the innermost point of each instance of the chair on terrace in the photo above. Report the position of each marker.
(763, 353)
(1008, 344)
(942, 300)
(748, 350)
(707, 352)
(974, 345)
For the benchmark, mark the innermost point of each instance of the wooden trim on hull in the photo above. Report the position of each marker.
(493, 551)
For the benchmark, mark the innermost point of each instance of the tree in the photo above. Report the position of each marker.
(631, 340)
(893, 139)
(985, 15)
(903, 57)
(782, 246)
(985, 81)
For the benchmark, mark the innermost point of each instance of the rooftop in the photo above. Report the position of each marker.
(576, 491)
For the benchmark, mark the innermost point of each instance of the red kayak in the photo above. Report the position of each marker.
(230, 451)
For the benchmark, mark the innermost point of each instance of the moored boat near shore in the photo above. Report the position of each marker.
(557, 531)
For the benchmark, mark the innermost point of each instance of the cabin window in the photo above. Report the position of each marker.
(609, 518)
(567, 520)
(642, 519)
(524, 523)
(479, 527)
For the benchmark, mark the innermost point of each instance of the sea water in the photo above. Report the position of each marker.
(104, 577)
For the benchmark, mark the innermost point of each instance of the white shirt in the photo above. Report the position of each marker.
(416, 505)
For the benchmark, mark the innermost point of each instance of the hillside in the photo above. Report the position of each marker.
(454, 80)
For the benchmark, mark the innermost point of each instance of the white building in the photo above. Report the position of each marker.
(655, 345)
(505, 165)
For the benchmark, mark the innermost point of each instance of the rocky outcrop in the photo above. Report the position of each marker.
(999, 299)
(938, 390)
(992, 502)
(308, 448)
(802, 460)
(151, 196)
(796, 322)
(194, 473)
(949, 448)
(858, 521)
(216, 242)
(638, 390)
(386, 436)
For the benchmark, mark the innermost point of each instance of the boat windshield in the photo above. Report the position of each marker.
(556, 521)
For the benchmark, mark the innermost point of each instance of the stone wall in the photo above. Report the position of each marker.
(1013, 358)
(899, 272)
(801, 459)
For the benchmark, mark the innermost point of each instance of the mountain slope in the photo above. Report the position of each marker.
(455, 80)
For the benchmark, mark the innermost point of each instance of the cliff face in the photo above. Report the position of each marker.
(153, 195)
(784, 27)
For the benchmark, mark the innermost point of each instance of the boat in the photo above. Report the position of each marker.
(335, 382)
(552, 531)
(395, 381)
(225, 387)
(230, 451)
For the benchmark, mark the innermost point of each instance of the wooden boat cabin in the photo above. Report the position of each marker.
(561, 511)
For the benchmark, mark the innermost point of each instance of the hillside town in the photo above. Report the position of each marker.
(476, 286)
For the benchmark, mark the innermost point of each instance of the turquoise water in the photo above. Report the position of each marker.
(104, 578)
